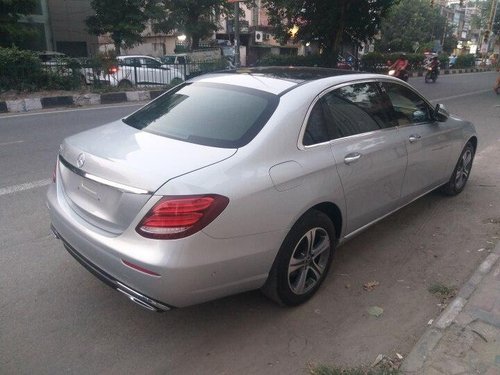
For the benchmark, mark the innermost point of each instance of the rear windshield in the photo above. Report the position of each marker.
(209, 114)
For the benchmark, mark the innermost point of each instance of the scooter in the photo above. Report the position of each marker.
(401, 74)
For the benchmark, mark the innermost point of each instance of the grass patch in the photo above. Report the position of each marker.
(331, 370)
(442, 291)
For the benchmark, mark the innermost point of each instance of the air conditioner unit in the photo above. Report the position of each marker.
(259, 36)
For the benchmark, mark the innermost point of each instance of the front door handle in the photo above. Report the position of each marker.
(352, 158)
(414, 138)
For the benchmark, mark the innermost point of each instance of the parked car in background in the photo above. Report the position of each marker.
(56, 62)
(140, 70)
(249, 179)
(182, 62)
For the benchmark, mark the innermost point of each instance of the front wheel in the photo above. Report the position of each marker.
(461, 172)
(427, 77)
(302, 261)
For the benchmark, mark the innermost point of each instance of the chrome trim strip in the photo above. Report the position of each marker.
(103, 181)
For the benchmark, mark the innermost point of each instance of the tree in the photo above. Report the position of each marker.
(197, 19)
(409, 22)
(11, 31)
(124, 20)
(330, 22)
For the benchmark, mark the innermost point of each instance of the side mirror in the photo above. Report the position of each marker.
(440, 113)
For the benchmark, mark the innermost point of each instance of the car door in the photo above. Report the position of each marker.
(368, 150)
(428, 142)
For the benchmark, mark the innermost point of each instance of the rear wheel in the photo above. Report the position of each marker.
(302, 261)
(461, 172)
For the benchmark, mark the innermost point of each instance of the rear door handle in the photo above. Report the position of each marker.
(414, 138)
(352, 158)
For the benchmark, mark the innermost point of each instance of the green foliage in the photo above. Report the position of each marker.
(23, 71)
(12, 32)
(331, 22)
(409, 22)
(465, 61)
(124, 20)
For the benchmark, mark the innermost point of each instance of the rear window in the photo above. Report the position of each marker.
(209, 114)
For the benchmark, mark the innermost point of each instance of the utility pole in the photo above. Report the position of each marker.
(237, 34)
(489, 30)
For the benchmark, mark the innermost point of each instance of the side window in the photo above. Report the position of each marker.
(408, 107)
(316, 131)
(150, 63)
(357, 109)
(181, 60)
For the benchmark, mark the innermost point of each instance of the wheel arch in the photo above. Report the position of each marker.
(333, 212)
(473, 140)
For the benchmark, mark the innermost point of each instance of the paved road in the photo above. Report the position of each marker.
(55, 317)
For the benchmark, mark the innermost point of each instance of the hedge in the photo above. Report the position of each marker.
(22, 70)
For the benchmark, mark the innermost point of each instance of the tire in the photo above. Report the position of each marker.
(427, 77)
(461, 173)
(125, 84)
(301, 265)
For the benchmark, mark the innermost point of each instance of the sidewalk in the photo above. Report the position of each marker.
(76, 100)
(465, 339)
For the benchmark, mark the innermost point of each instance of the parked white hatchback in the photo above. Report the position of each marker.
(140, 70)
(249, 179)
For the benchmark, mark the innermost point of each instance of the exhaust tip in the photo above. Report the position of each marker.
(137, 301)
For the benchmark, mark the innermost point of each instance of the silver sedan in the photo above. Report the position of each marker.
(249, 179)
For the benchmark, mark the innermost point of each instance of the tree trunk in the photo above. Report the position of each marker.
(338, 34)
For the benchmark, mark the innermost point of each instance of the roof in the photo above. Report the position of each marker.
(274, 79)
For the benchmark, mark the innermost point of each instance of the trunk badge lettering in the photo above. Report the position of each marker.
(81, 160)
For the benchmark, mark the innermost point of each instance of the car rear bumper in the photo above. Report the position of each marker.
(188, 271)
(133, 295)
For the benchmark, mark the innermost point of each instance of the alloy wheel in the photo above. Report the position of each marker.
(309, 260)
(463, 169)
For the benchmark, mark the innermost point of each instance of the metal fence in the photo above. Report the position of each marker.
(128, 73)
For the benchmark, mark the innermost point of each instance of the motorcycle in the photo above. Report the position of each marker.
(431, 74)
(401, 74)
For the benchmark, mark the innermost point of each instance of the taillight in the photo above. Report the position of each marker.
(180, 216)
(113, 70)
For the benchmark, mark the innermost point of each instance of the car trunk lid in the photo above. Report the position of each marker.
(109, 173)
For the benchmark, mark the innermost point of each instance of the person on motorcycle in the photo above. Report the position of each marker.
(400, 65)
(434, 64)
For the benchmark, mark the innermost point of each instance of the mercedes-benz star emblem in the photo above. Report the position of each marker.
(81, 160)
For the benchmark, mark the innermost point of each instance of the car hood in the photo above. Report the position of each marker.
(124, 155)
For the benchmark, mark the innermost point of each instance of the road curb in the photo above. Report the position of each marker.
(78, 100)
(414, 362)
